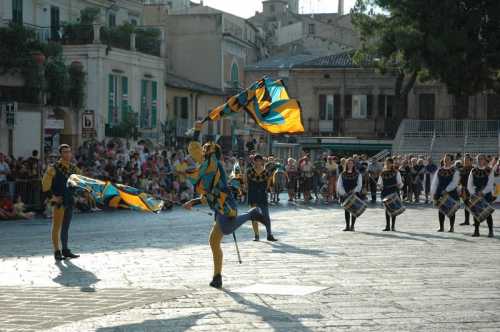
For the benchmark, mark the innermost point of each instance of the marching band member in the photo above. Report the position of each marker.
(464, 178)
(390, 182)
(480, 183)
(445, 181)
(349, 182)
(211, 185)
(258, 181)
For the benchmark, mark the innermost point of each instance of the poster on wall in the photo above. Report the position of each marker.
(88, 124)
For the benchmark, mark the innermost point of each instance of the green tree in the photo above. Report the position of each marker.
(454, 41)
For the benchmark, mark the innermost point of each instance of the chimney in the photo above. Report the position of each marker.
(340, 11)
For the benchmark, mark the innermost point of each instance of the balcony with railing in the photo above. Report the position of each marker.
(147, 40)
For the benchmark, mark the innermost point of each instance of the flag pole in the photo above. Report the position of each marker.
(237, 249)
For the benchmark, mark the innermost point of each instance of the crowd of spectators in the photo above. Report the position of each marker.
(165, 174)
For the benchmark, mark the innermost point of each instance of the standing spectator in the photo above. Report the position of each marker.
(374, 169)
(251, 145)
(34, 165)
(4, 169)
(404, 170)
(292, 174)
(306, 174)
(332, 173)
(429, 171)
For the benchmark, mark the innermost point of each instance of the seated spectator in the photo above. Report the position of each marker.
(6, 208)
(19, 210)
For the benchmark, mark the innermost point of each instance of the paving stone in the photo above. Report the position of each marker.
(141, 272)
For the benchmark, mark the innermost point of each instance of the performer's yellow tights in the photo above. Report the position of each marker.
(61, 219)
(57, 222)
(215, 244)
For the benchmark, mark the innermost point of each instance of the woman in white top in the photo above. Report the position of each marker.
(349, 182)
(445, 180)
(390, 182)
(480, 183)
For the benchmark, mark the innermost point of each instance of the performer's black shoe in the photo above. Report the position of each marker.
(440, 229)
(476, 232)
(271, 238)
(490, 227)
(452, 229)
(256, 238)
(68, 254)
(58, 255)
(465, 223)
(216, 282)
(352, 228)
(386, 229)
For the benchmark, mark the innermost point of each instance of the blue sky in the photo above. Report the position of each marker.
(247, 8)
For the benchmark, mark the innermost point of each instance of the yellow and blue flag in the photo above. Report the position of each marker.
(116, 195)
(268, 103)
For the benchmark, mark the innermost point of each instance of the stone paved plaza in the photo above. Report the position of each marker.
(145, 272)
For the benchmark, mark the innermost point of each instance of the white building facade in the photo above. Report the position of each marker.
(117, 78)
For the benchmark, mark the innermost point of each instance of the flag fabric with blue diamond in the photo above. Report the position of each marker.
(268, 103)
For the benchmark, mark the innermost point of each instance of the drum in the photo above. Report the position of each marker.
(354, 205)
(479, 207)
(393, 205)
(447, 205)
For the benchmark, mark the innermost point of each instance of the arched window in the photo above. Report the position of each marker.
(235, 73)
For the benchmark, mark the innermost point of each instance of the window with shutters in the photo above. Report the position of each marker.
(326, 107)
(389, 109)
(112, 20)
(118, 103)
(359, 107)
(348, 106)
(381, 105)
(149, 104)
(17, 11)
(312, 29)
(181, 107)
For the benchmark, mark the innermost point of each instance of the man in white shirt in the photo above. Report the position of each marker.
(4, 168)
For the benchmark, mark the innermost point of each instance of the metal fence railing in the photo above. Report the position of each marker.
(30, 192)
(435, 136)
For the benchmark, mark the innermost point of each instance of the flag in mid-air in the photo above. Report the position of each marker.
(268, 103)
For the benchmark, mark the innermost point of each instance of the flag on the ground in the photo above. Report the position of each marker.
(116, 195)
(268, 103)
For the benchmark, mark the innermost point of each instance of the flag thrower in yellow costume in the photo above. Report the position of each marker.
(268, 103)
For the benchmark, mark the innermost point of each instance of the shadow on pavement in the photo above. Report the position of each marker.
(431, 236)
(177, 324)
(71, 275)
(271, 316)
(283, 248)
(392, 235)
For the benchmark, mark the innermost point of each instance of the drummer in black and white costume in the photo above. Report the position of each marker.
(445, 180)
(349, 182)
(390, 182)
(480, 183)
